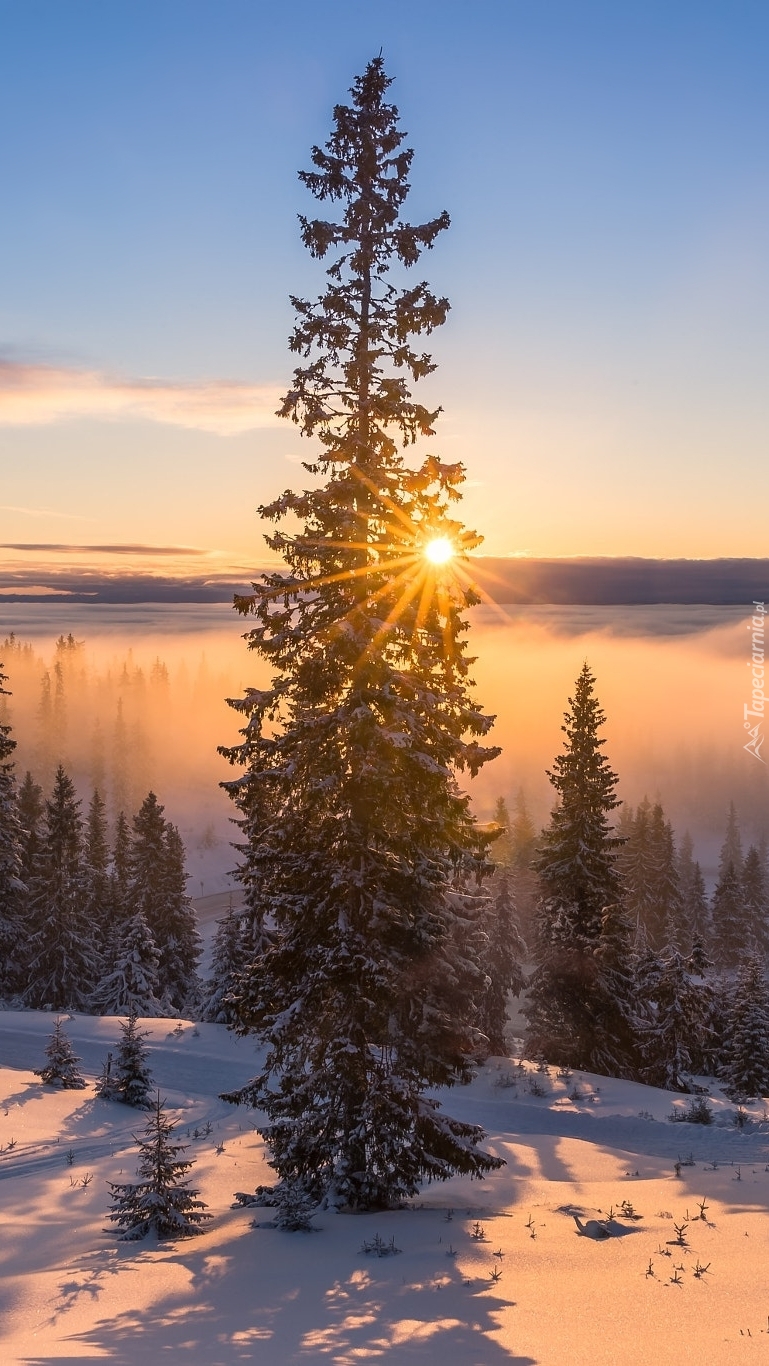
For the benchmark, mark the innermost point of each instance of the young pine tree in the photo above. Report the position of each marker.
(62, 1065)
(355, 830)
(131, 1075)
(162, 1201)
(579, 880)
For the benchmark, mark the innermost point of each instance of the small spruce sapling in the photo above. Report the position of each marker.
(62, 1065)
(162, 1201)
(134, 1078)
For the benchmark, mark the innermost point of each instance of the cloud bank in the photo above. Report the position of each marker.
(37, 395)
(511, 583)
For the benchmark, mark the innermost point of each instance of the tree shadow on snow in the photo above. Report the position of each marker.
(280, 1297)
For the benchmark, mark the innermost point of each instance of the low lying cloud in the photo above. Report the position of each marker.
(37, 395)
(121, 549)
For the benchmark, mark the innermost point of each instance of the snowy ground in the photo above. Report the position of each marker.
(71, 1292)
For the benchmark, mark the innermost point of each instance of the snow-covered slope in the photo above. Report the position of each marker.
(602, 1150)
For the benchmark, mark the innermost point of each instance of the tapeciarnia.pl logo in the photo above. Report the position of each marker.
(753, 712)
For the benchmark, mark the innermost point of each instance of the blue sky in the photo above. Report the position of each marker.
(603, 370)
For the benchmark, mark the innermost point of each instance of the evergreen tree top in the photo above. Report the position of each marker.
(357, 334)
(582, 771)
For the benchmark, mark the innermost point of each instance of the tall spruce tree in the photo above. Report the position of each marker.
(11, 884)
(731, 849)
(178, 940)
(502, 960)
(755, 895)
(577, 866)
(695, 909)
(746, 1062)
(355, 830)
(156, 889)
(130, 983)
(672, 1032)
(96, 873)
(31, 812)
(63, 962)
(730, 928)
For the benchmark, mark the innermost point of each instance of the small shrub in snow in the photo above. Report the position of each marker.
(380, 1248)
(294, 1208)
(696, 1112)
(62, 1064)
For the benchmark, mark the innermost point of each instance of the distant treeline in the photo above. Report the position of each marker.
(116, 726)
(663, 888)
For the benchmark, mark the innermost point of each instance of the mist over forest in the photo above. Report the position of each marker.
(137, 700)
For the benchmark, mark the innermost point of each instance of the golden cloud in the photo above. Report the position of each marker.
(36, 395)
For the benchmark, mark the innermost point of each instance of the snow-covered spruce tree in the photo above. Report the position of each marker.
(163, 1201)
(755, 896)
(745, 1068)
(731, 849)
(524, 880)
(131, 982)
(31, 808)
(119, 904)
(730, 927)
(503, 844)
(63, 962)
(666, 928)
(649, 868)
(131, 1075)
(675, 1028)
(577, 867)
(11, 884)
(227, 959)
(695, 909)
(156, 889)
(96, 873)
(62, 1065)
(177, 936)
(504, 953)
(355, 830)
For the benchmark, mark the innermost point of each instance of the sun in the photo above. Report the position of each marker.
(439, 551)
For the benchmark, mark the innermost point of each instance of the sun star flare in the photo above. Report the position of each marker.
(439, 551)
